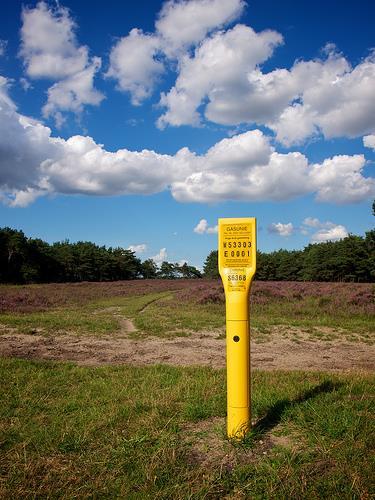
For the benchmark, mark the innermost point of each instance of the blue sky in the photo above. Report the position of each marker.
(140, 123)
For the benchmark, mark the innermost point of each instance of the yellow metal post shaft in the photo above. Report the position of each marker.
(237, 266)
(238, 366)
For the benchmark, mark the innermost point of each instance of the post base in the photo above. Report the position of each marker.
(238, 422)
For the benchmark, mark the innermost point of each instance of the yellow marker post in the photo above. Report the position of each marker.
(237, 266)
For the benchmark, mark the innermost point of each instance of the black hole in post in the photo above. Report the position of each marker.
(236, 338)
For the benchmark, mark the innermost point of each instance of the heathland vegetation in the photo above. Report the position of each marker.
(30, 260)
(116, 430)
(169, 308)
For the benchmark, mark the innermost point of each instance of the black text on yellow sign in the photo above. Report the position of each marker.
(236, 252)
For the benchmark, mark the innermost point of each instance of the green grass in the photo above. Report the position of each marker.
(99, 317)
(165, 315)
(168, 318)
(161, 314)
(131, 306)
(310, 314)
(128, 432)
(74, 320)
(153, 314)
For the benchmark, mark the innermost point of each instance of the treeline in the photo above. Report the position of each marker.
(350, 259)
(29, 260)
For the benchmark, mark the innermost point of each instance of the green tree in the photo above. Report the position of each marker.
(287, 265)
(127, 265)
(370, 246)
(41, 265)
(149, 269)
(27, 260)
(13, 255)
(189, 272)
(167, 270)
(266, 267)
(210, 267)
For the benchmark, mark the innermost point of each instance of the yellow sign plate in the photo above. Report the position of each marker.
(237, 252)
(236, 245)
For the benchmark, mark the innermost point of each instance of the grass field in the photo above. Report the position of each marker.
(167, 308)
(158, 431)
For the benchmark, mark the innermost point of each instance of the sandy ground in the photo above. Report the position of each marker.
(203, 348)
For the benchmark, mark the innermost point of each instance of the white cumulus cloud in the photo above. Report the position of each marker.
(50, 50)
(244, 167)
(138, 59)
(181, 24)
(223, 82)
(333, 233)
(160, 257)
(141, 248)
(73, 92)
(281, 229)
(339, 179)
(369, 141)
(219, 67)
(312, 222)
(202, 227)
(324, 231)
(25, 84)
(331, 97)
(134, 64)
(220, 78)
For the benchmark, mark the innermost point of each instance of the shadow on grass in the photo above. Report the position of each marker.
(276, 411)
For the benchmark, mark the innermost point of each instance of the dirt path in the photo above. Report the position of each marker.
(204, 348)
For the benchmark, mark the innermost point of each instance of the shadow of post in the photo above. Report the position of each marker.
(276, 411)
